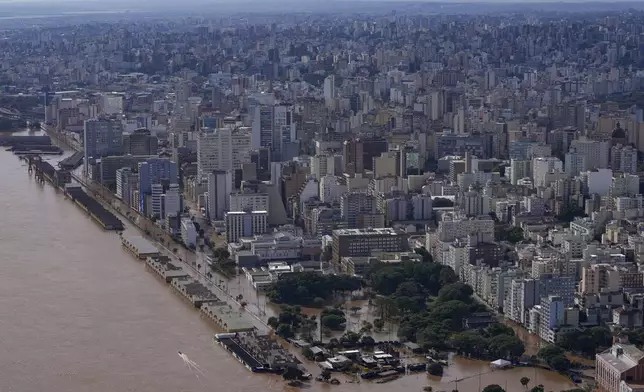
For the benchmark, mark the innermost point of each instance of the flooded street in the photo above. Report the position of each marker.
(79, 313)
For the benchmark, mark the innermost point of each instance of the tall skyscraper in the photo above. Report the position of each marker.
(219, 189)
(140, 142)
(155, 171)
(284, 130)
(222, 149)
(273, 127)
(329, 90)
(263, 116)
(101, 138)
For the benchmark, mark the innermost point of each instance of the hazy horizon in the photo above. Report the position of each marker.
(51, 8)
(517, 2)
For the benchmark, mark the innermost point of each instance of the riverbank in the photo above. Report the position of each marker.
(98, 289)
(459, 372)
(105, 323)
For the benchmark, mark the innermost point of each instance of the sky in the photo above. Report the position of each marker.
(53, 2)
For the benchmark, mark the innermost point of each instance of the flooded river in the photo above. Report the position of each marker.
(79, 313)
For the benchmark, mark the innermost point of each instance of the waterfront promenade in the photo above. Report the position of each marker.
(119, 267)
(189, 260)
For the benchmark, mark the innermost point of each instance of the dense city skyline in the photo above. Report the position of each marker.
(390, 186)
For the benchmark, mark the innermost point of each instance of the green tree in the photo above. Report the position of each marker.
(499, 329)
(350, 338)
(559, 363)
(221, 254)
(304, 288)
(367, 327)
(273, 322)
(549, 351)
(441, 202)
(493, 388)
(333, 319)
(506, 346)
(456, 291)
(427, 257)
(285, 331)
(538, 388)
(367, 341)
(514, 235)
(525, 381)
(470, 343)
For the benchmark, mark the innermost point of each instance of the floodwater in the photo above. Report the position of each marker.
(79, 313)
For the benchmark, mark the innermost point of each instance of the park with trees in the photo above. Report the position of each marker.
(430, 304)
(311, 289)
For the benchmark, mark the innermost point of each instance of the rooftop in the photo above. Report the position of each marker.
(622, 357)
(231, 319)
(366, 232)
(140, 244)
(245, 212)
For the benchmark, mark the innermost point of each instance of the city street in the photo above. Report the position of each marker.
(193, 262)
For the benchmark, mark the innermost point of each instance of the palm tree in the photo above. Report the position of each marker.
(525, 381)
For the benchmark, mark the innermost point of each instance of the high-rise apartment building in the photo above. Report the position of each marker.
(222, 149)
(173, 201)
(354, 204)
(596, 152)
(121, 178)
(597, 277)
(155, 171)
(329, 90)
(575, 163)
(273, 127)
(102, 137)
(140, 142)
(219, 188)
(552, 311)
(244, 224)
(624, 159)
(543, 166)
(249, 201)
(284, 130)
(519, 169)
(453, 226)
(523, 295)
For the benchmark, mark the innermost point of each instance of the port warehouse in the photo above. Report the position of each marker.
(139, 246)
(62, 178)
(35, 149)
(256, 351)
(29, 144)
(226, 340)
(12, 141)
(105, 218)
(72, 162)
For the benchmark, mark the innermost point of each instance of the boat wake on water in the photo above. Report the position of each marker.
(192, 365)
